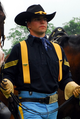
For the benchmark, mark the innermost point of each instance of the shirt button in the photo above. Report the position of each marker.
(30, 93)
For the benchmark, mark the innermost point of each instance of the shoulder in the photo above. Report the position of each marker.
(15, 51)
(16, 47)
(57, 46)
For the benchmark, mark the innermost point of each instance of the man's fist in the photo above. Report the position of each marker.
(70, 88)
(8, 87)
(76, 91)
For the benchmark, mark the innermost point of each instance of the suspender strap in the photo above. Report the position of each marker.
(25, 63)
(59, 54)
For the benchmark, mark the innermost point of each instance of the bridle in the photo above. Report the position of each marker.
(40, 113)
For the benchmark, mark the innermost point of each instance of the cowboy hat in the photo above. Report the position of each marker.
(57, 32)
(34, 10)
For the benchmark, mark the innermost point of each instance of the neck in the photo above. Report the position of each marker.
(38, 35)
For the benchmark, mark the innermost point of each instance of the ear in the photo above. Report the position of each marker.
(28, 25)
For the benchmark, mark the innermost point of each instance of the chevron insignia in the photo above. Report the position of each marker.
(66, 63)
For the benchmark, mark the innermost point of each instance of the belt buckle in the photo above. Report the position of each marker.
(53, 98)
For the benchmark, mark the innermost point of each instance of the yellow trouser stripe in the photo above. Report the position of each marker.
(10, 64)
(25, 64)
(21, 112)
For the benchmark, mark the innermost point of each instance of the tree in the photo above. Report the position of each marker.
(50, 28)
(73, 26)
(18, 34)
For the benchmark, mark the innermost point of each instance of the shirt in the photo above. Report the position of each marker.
(44, 68)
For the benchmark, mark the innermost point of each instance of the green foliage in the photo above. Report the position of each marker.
(50, 28)
(7, 51)
(18, 34)
(73, 26)
(15, 36)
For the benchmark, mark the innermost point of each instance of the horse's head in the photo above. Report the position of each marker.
(56, 34)
(2, 18)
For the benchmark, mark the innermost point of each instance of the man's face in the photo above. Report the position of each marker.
(38, 26)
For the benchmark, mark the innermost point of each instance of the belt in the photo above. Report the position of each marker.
(46, 100)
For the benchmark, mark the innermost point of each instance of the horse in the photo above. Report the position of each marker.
(4, 111)
(71, 46)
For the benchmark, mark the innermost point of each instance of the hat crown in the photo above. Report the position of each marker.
(35, 8)
(58, 31)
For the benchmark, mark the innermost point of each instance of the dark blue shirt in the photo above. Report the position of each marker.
(44, 68)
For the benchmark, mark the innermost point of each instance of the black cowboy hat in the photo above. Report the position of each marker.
(57, 32)
(34, 10)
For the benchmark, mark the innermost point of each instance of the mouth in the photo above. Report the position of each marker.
(42, 26)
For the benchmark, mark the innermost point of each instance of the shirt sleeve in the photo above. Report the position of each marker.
(66, 73)
(11, 65)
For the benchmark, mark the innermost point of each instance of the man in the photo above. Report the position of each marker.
(36, 78)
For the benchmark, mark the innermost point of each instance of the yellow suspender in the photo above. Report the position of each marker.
(25, 63)
(59, 54)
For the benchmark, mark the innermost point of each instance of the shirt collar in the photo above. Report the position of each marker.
(31, 39)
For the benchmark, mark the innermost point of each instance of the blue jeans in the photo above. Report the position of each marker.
(36, 110)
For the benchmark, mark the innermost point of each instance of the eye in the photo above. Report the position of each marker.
(36, 19)
(45, 19)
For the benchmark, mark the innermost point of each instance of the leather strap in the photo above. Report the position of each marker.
(46, 100)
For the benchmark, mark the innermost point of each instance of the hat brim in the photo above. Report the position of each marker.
(21, 18)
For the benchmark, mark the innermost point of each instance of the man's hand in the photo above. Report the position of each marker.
(76, 91)
(70, 89)
(8, 87)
